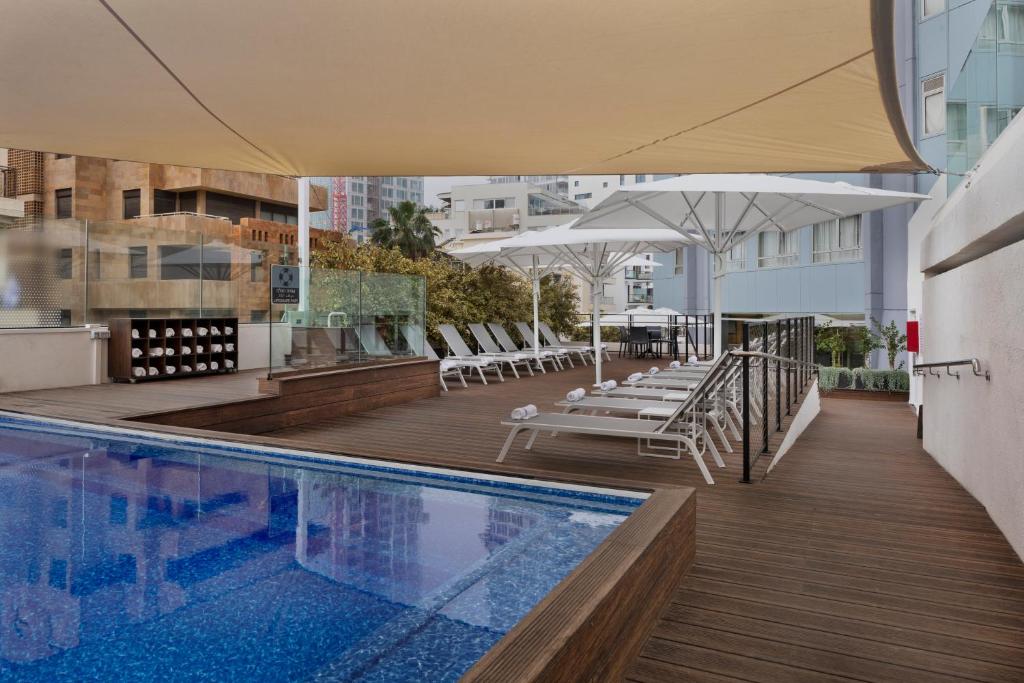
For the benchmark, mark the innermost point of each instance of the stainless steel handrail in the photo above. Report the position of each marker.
(919, 368)
(771, 356)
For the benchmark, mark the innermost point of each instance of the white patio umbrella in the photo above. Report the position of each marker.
(593, 255)
(720, 211)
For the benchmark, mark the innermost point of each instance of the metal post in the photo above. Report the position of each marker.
(778, 377)
(800, 356)
(706, 329)
(746, 405)
(764, 391)
(789, 366)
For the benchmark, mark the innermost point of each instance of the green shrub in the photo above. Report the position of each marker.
(457, 293)
(829, 379)
(897, 380)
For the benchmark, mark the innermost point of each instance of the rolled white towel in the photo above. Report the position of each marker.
(693, 360)
(675, 364)
(201, 331)
(576, 395)
(168, 352)
(153, 372)
(201, 367)
(213, 365)
(519, 413)
(636, 376)
(139, 372)
(653, 371)
(135, 334)
(531, 410)
(169, 332)
(199, 348)
(229, 364)
(229, 347)
(214, 330)
(187, 332)
(170, 370)
(152, 333)
(608, 385)
(156, 352)
(186, 350)
(228, 329)
(136, 353)
(216, 348)
(186, 368)
(446, 365)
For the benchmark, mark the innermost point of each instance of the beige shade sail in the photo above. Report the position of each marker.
(435, 87)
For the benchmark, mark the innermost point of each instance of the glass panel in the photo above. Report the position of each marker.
(42, 275)
(351, 317)
(989, 90)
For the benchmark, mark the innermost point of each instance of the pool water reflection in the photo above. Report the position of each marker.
(128, 558)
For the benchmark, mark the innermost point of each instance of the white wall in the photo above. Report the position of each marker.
(47, 358)
(973, 306)
(974, 428)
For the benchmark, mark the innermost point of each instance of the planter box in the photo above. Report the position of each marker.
(864, 395)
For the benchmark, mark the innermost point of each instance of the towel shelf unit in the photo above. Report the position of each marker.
(144, 349)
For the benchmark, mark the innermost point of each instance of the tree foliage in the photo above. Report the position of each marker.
(868, 342)
(406, 228)
(893, 340)
(457, 293)
(833, 340)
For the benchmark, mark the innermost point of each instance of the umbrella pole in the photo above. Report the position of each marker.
(596, 287)
(717, 289)
(536, 312)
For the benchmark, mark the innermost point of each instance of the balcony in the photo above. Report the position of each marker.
(8, 182)
(639, 273)
(492, 220)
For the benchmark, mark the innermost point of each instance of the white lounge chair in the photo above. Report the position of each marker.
(468, 360)
(459, 349)
(371, 341)
(491, 349)
(563, 351)
(664, 435)
(509, 346)
(551, 339)
(449, 367)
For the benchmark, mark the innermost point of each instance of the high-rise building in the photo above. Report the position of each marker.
(354, 202)
(555, 184)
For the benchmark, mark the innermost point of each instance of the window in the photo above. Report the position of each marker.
(494, 203)
(188, 202)
(638, 178)
(256, 269)
(837, 240)
(164, 201)
(585, 195)
(680, 261)
(664, 176)
(279, 213)
(1011, 23)
(63, 202)
(138, 262)
(61, 156)
(576, 183)
(994, 121)
(934, 99)
(932, 7)
(776, 249)
(64, 264)
(95, 260)
(132, 204)
(604, 184)
(185, 261)
(736, 258)
(230, 207)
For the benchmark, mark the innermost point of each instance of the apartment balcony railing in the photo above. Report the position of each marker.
(638, 273)
(488, 220)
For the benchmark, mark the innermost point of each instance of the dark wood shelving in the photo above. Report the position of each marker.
(169, 348)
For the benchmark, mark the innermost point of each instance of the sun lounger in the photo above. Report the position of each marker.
(371, 342)
(563, 351)
(460, 349)
(551, 339)
(661, 435)
(464, 355)
(450, 368)
(509, 346)
(492, 350)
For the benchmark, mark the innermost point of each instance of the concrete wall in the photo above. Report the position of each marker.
(973, 306)
(974, 428)
(47, 358)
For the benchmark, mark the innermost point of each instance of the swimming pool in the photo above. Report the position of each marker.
(131, 556)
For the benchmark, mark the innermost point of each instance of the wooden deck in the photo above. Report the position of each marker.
(859, 558)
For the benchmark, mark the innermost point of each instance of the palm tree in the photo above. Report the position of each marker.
(407, 228)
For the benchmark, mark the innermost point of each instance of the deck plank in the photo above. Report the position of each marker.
(859, 558)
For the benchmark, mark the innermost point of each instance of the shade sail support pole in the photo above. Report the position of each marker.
(536, 310)
(595, 296)
(303, 183)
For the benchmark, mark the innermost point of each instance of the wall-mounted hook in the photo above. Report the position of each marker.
(950, 372)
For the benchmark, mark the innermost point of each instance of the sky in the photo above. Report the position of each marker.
(434, 184)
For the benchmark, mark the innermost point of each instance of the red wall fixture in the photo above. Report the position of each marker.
(913, 337)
